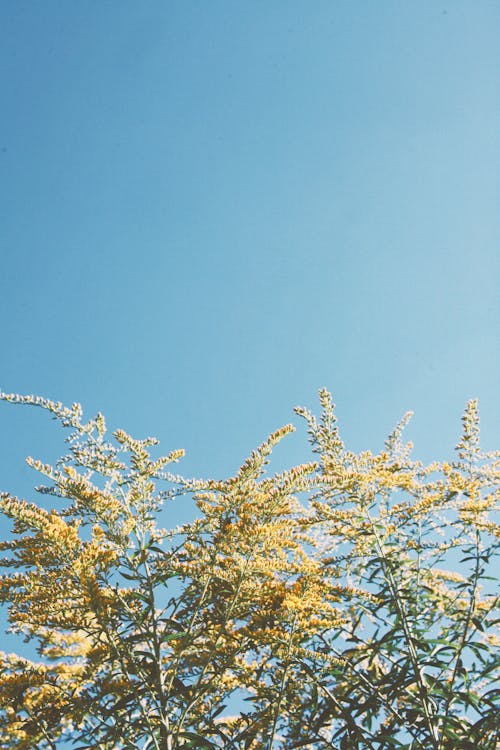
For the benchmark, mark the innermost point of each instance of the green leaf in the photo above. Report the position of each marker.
(130, 576)
(197, 741)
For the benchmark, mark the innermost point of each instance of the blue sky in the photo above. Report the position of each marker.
(211, 209)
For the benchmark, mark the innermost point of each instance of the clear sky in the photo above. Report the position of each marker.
(211, 209)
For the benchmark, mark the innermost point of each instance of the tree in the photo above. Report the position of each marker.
(345, 603)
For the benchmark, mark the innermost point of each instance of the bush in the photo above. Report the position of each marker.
(345, 603)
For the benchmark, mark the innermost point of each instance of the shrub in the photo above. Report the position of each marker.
(346, 603)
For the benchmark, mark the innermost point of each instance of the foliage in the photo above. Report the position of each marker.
(346, 603)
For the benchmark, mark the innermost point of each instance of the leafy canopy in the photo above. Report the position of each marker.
(346, 603)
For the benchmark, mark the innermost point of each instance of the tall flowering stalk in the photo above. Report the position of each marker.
(345, 603)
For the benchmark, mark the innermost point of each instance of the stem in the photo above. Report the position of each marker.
(165, 736)
(468, 618)
(407, 633)
(282, 684)
(110, 637)
(227, 615)
(43, 730)
(169, 686)
(370, 689)
(352, 727)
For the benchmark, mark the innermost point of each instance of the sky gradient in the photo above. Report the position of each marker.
(211, 209)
